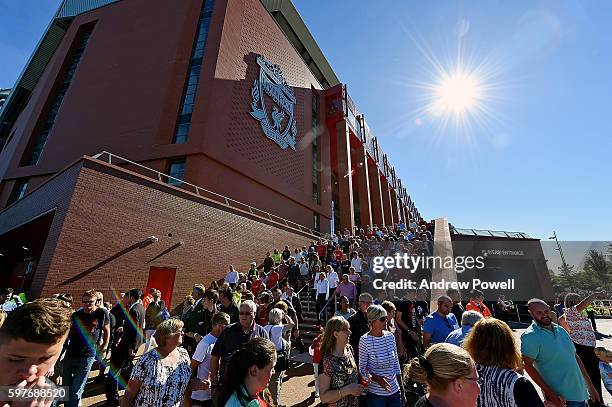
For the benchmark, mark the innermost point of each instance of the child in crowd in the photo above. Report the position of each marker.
(605, 357)
(315, 352)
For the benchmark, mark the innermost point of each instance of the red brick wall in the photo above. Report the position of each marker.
(109, 213)
(233, 140)
(54, 197)
(126, 93)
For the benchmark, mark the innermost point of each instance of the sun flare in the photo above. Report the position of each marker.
(456, 94)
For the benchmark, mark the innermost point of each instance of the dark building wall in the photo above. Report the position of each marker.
(53, 197)
(127, 89)
(97, 230)
(520, 259)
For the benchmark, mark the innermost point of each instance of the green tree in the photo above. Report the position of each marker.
(587, 281)
(567, 276)
(557, 283)
(598, 267)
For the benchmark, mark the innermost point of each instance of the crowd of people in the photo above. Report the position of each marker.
(228, 343)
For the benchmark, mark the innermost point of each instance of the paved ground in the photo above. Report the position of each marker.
(298, 387)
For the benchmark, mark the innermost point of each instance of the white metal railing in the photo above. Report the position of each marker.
(162, 177)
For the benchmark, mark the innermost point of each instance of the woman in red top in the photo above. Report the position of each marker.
(315, 352)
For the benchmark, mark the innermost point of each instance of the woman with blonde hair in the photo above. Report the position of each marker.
(492, 346)
(450, 375)
(338, 378)
(378, 358)
(161, 377)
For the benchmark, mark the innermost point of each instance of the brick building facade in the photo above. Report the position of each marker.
(176, 87)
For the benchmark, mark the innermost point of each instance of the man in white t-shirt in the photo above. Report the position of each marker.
(333, 279)
(303, 270)
(356, 262)
(200, 362)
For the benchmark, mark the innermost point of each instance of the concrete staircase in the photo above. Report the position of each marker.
(308, 328)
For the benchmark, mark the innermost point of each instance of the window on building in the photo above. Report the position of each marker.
(316, 222)
(18, 192)
(37, 144)
(316, 173)
(176, 170)
(183, 123)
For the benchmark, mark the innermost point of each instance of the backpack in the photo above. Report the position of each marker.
(282, 356)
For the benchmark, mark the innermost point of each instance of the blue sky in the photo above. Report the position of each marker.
(541, 159)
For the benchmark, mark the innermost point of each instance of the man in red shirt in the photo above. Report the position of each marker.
(258, 285)
(273, 278)
(338, 254)
(477, 303)
(321, 249)
(148, 298)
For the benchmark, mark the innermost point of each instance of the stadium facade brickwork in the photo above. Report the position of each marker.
(177, 85)
(100, 229)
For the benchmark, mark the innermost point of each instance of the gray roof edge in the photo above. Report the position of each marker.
(295, 21)
(72, 8)
(20, 78)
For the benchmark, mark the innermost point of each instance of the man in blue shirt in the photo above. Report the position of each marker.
(439, 324)
(468, 320)
(401, 226)
(551, 360)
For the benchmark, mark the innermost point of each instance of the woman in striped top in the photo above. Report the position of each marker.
(378, 359)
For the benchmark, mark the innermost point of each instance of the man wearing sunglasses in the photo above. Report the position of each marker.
(89, 324)
(439, 324)
(230, 341)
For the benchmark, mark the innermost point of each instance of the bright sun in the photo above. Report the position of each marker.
(456, 94)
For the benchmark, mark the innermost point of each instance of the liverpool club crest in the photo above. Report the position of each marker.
(277, 117)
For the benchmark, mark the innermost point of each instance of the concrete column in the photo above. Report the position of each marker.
(376, 196)
(386, 197)
(345, 178)
(360, 160)
(443, 247)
